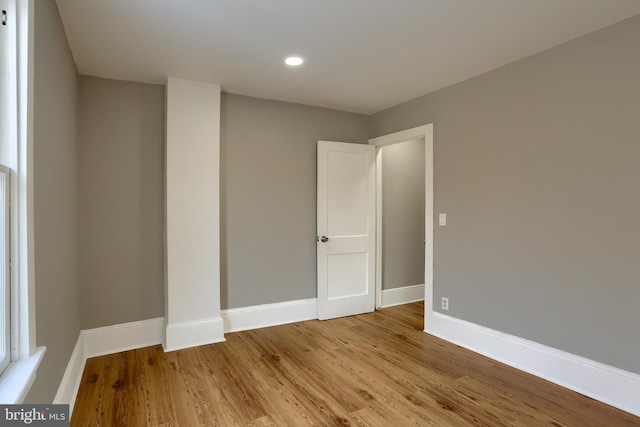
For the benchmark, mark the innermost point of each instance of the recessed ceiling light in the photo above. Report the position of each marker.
(294, 61)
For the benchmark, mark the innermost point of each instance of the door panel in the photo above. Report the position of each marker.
(347, 274)
(346, 217)
(347, 193)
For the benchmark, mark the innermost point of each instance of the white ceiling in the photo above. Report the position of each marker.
(361, 55)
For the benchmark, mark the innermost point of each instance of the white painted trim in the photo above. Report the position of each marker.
(20, 122)
(426, 132)
(403, 295)
(378, 227)
(605, 383)
(19, 375)
(404, 135)
(265, 315)
(122, 337)
(102, 341)
(24, 264)
(18, 378)
(70, 384)
(181, 335)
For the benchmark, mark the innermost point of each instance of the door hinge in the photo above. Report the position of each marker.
(4, 17)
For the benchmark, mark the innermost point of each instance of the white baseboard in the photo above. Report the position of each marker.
(605, 383)
(180, 335)
(122, 337)
(68, 389)
(144, 333)
(265, 315)
(101, 341)
(403, 295)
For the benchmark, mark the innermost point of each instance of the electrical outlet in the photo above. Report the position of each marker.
(445, 303)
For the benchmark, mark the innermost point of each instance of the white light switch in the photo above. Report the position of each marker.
(442, 219)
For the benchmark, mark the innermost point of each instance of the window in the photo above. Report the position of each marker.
(20, 357)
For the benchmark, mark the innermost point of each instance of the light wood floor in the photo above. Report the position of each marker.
(376, 369)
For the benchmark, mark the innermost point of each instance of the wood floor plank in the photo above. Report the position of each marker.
(377, 369)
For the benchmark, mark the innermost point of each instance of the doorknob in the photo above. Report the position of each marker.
(324, 239)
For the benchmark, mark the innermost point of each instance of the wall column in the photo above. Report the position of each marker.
(192, 216)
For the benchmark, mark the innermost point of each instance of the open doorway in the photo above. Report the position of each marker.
(400, 222)
(423, 134)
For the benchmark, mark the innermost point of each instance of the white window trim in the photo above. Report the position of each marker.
(5, 268)
(17, 379)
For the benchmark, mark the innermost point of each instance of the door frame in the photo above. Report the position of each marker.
(426, 132)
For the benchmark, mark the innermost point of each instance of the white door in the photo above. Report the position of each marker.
(346, 229)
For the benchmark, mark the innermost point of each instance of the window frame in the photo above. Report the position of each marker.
(5, 266)
(18, 377)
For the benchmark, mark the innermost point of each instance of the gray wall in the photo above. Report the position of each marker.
(403, 214)
(268, 196)
(55, 200)
(536, 165)
(121, 133)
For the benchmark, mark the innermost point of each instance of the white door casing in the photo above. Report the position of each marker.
(346, 229)
(426, 132)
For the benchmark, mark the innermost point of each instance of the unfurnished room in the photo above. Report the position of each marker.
(298, 212)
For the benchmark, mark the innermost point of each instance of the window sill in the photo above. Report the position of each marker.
(16, 381)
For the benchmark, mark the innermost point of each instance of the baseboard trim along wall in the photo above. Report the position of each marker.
(145, 333)
(265, 315)
(101, 341)
(68, 388)
(122, 337)
(605, 383)
(403, 295)
(192, 334)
